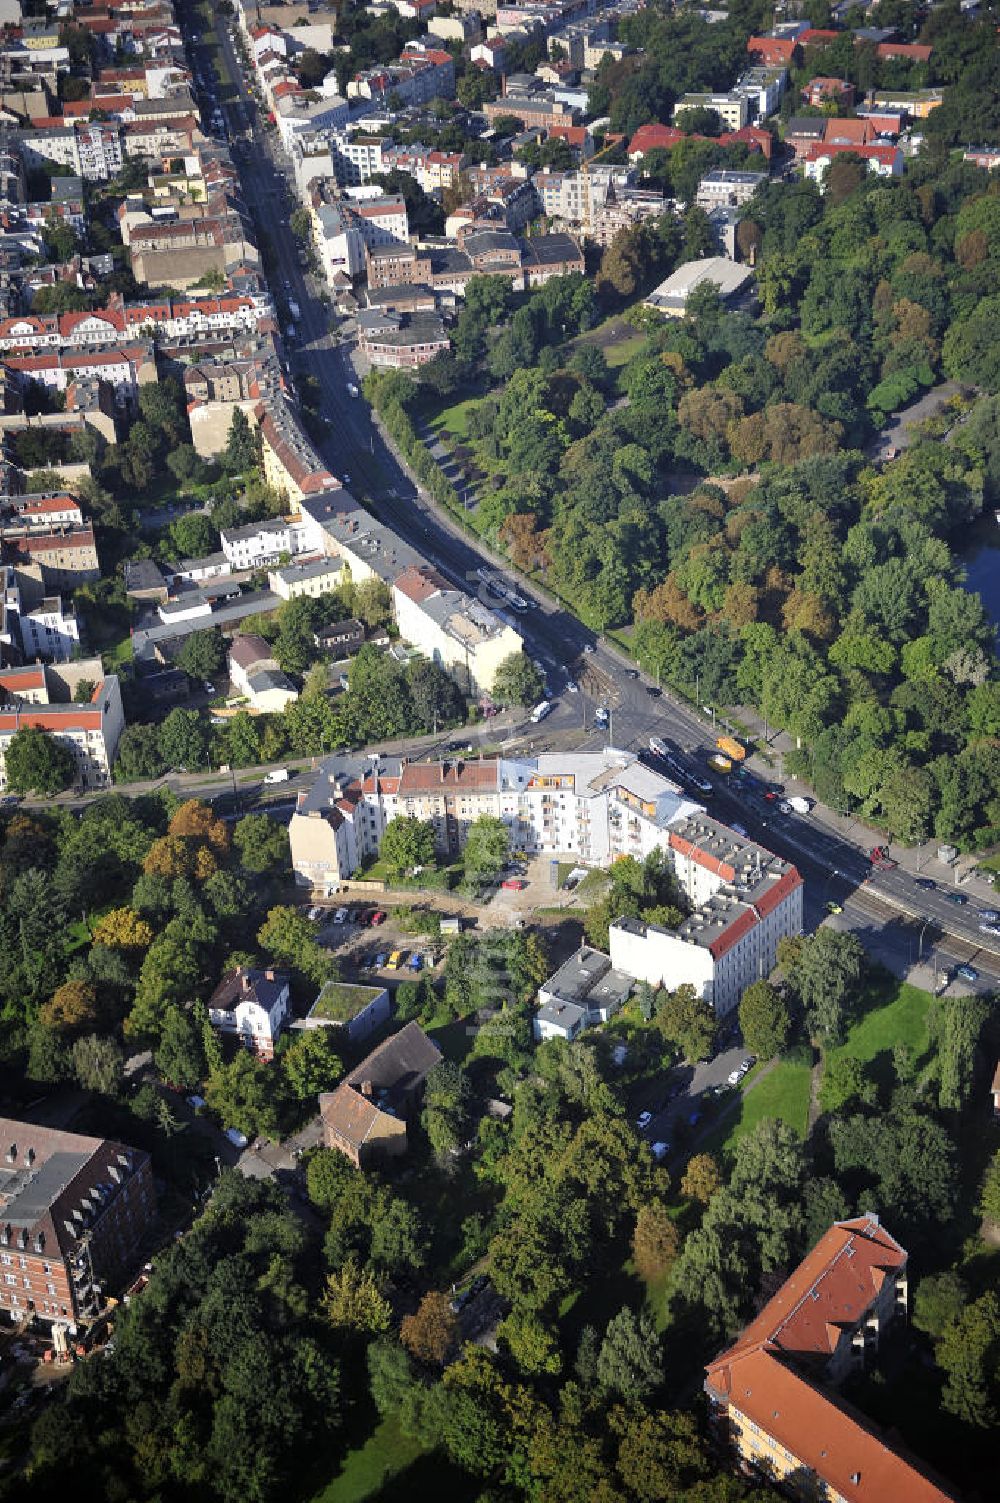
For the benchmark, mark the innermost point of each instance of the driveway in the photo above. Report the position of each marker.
(690, 1084)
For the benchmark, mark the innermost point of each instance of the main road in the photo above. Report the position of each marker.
(835, 865)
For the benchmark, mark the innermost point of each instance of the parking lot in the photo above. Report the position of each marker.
(370, 942)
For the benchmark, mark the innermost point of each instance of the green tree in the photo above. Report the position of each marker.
(183, 740)
(447, 1097)
(688, 1022)
(311, 1064)
(288, 935)
(958, 1026)
(261, 842)
(38, 762)
(390, 1375)
(764, 1020)
(241, 451)
(844, 1080)
(487, 849)
(179, 1057)
(98, 1064)
(517, 681)
(630, 1363)
(991, 1190)
(939, 1302)
(827, 978)
(202, 653)
(702, 1178)
(968, 1353)
(242, 1094)
(408, 842)
(531, 1343)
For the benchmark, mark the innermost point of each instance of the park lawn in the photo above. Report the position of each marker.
(624, 350)
(367, 1469)
(902, 1019)
(454, 421)
(783, 1094)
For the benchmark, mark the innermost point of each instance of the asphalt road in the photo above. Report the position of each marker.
(835, 866)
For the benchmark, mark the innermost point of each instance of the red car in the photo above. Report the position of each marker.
(378, 917)
(514, 884)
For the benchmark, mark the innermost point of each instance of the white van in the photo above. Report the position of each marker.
(658, 747)
(540, 711)
(279, 775)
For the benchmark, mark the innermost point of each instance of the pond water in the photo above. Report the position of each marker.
(982, 567)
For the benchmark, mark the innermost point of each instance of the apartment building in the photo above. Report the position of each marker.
(733, 109)
(421, 74)
(595, 806)
(400, 341)
(74, 1214)
(310, 578)
(452, 628)
(63, 556)
(291, 464)
(42, 697)
(743, 901)
(769, 1393)
(586, 990)
(723, 188)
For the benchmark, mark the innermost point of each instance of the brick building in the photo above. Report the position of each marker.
(74, 1211)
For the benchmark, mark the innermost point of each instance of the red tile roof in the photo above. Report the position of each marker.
(910, 51)
(653, 137)
(831, 1291)
(822, 1433)
(448, 777)
(858, 132)
(773, 49)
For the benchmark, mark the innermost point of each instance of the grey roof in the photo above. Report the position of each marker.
(588, 980)
(259, 602)
(143, 574)
(806, 125)
(340, 771)
(567, 1016)
(314, 570)
(357, 531)
(549, 250)
(263, 987)
(32, 1191)
(262, 679)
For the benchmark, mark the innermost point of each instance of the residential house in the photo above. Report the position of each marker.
(733, 109)
(400, 341)
(586, 990)
(884, 159)
(75, 1213)
(769, 1393)
(255, 673)
(366, 1117)
(253, 1007)
(340, 638)
(820, 91)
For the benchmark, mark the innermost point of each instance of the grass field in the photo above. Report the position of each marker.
(784, 1093)
(454, 421)
(901, 1019)
(385, 1454)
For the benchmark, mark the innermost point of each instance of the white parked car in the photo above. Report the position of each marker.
(237, 1138)
(341, 916)
(571, 687)
(644, 1119)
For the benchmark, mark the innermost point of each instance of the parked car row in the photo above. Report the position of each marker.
(743, 1068)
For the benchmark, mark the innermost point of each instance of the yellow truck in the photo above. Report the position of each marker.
(731, 749)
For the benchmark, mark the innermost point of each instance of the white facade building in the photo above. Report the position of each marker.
(252, 1006)
(261, 544)
(744, 902)
(595, 806)
(41, 697)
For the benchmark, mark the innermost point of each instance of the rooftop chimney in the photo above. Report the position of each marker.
(367, 1089)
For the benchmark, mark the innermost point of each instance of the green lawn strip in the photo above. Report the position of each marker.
(454, 420)
(783, 1094)
(623, 350)
(901, 1019)
(385, 1454)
